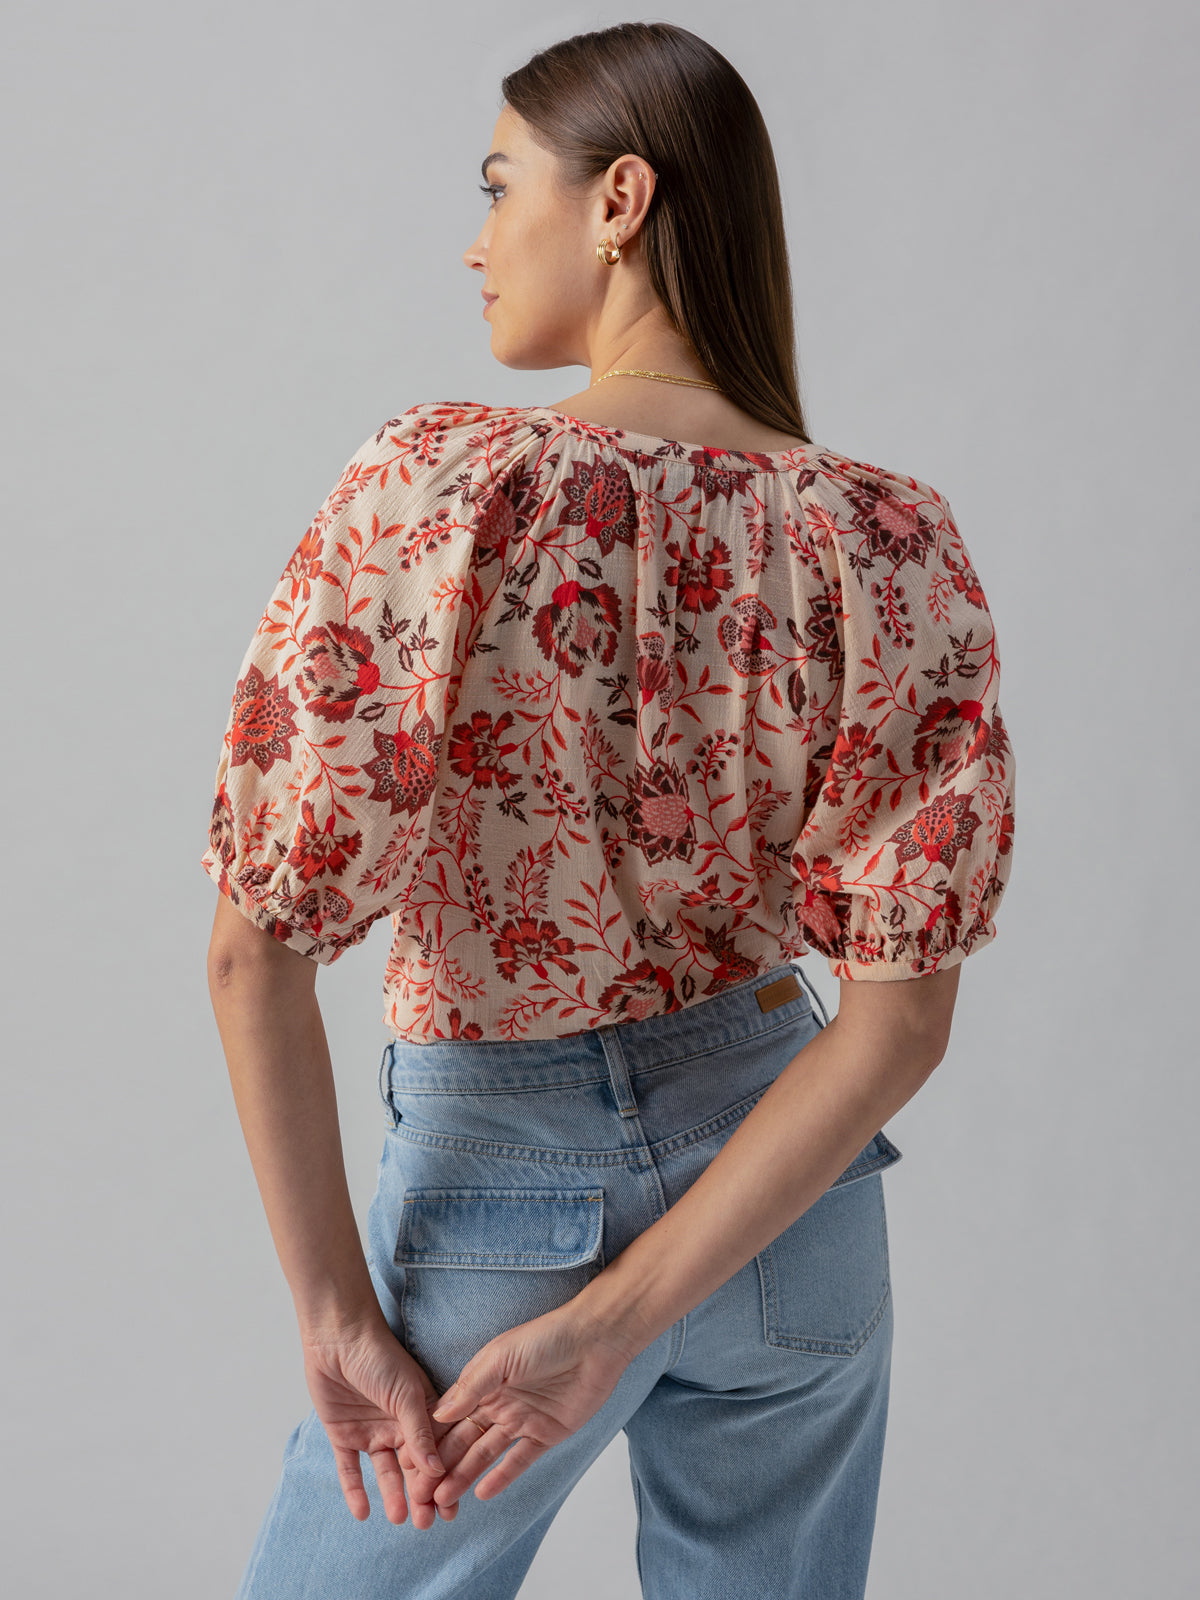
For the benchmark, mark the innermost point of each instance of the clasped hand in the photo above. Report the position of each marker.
(536, 1384)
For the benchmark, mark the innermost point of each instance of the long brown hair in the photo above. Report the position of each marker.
(713, 238)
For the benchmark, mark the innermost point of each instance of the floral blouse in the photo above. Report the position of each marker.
(605, 723)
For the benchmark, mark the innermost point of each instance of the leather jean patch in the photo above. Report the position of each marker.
(778, 993)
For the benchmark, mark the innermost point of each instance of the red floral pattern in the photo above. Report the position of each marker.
(607, 723)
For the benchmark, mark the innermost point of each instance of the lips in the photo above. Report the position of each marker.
(488, 298)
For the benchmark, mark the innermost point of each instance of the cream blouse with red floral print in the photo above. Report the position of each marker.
(606, 723)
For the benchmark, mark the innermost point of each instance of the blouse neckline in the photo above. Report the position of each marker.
(651, 444)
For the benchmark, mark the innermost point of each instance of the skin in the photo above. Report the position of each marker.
(541, 1381)
(559, 305)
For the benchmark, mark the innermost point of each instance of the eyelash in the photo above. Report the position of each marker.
(492, 189)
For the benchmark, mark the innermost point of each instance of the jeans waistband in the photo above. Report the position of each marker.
(622, 1050)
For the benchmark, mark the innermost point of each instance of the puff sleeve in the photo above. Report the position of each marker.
(325, 783)
(905, 848)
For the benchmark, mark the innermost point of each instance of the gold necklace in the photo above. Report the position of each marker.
(667, 377)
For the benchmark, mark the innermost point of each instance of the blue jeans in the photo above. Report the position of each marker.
(511, 1173)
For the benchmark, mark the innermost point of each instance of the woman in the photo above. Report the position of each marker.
(614, 728)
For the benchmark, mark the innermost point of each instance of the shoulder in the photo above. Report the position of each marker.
(439, 454)
(861, 488)
(888, 542)
(462, 425)
(878, 520)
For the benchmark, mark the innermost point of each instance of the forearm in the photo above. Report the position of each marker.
(799, 1137)
(282, 1078)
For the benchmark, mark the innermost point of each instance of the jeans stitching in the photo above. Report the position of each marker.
(741, 1038)
(640, 1156)
(637, 1543)
(503, 1260)
(801, 1342)
(260, 1543)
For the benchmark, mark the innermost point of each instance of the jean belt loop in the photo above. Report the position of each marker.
(618, 1070)
(815, 995)
(385, 1073)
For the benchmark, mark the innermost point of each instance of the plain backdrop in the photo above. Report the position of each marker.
(232, 246)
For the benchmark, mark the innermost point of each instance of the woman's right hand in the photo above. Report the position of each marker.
(372, 1396)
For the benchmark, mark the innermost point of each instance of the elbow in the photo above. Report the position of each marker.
(935, 1050)
(916, 1053)
(265, 977)
(916, 1059)
(229, 969)
(240, 951)
(907, 1023)
(243, 957)
(929, 1040)
(251, 951)
(933, 1015)
(222, 966)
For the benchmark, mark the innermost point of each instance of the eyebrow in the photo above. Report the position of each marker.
(496, 155)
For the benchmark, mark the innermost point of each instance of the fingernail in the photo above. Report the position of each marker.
(435, 1462)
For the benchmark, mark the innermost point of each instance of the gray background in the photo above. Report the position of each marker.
(232, 247)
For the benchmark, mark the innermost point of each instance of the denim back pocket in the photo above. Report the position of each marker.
(826, 1279)
(478, 1261)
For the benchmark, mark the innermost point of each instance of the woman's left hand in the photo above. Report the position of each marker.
(536, 1384)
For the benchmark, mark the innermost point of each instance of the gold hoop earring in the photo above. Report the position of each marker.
(608, 252)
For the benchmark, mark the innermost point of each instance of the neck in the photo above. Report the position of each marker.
(648, 345)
